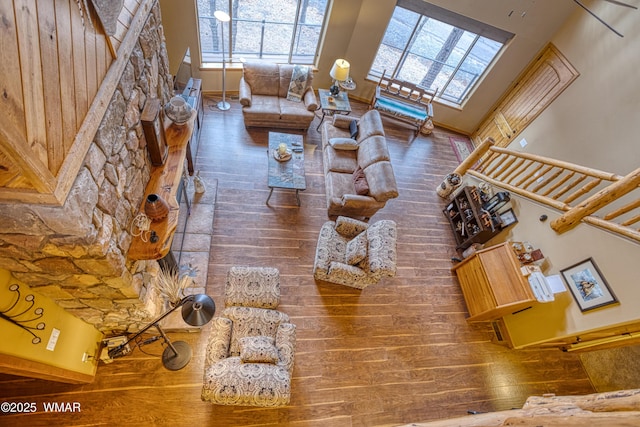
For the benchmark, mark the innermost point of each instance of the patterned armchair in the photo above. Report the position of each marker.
(353, 253)
(249, 357)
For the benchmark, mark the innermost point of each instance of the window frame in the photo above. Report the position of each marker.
(426, 11)
(212, 59)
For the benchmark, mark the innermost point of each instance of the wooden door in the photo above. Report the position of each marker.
(545, 78)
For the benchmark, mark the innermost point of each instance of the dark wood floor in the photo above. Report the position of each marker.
(394, 353)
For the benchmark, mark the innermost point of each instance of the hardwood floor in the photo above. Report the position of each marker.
(397, 352)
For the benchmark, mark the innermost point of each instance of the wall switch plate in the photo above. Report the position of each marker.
(523, 142)
(53, 339)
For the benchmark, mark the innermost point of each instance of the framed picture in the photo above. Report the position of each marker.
(588, 286)
(508, 217)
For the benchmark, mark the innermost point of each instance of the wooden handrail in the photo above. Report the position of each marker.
(475, 155)
(597, 201)
(559, 163)
(603, 199)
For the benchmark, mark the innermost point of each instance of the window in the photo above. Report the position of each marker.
(285, 31)
(437, 49)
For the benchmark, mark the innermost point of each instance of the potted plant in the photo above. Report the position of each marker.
(170, 284)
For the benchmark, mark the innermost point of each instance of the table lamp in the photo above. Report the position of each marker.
(339, 73)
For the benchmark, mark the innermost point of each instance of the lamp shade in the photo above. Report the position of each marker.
(221, 16)
(340, 70)
(198, 309)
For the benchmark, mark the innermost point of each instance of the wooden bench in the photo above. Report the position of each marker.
(405, 102)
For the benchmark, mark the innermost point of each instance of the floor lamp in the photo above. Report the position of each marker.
(197, 310)
(223, 17)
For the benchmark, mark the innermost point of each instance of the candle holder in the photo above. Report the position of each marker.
(24, 317)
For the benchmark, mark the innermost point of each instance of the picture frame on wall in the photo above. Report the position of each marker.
(507, 218)
(588, 286)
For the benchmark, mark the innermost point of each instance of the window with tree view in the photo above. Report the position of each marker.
(284, 31)
(437, 49)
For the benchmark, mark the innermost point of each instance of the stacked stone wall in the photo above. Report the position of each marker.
(77, 253)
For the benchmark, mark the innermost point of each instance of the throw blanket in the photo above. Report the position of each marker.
(298, 83)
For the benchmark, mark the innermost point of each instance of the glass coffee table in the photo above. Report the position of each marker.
(287, 174)
(331, 105)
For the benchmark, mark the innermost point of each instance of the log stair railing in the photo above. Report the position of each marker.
(583, 194)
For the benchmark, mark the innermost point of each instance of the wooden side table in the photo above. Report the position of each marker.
(331, 105)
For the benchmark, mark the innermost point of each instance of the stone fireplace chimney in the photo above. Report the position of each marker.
(76, 253)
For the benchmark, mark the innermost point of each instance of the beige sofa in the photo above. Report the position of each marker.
(370, 153)
(263, 95)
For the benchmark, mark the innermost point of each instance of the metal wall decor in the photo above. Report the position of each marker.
(22, 316)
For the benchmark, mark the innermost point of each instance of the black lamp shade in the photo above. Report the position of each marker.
(199, 310)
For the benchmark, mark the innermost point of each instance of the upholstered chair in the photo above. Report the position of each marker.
(249, 356)
(353, 253)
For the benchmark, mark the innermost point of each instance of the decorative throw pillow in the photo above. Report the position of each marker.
(356, 249)
(343, 144)
(360, 182)
(259, 349)
(353, 129)
(350, 227)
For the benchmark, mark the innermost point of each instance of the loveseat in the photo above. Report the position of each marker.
(346, 159)
(267, 100)
(353, 253)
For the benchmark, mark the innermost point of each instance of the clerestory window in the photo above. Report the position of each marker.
(283, 31)
(437, 49)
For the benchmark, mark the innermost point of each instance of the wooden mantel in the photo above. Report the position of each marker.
(165, 181)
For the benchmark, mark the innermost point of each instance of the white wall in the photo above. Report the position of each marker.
(596, 121)
(180, 31)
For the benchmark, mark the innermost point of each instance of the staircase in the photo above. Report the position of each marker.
(595, 197)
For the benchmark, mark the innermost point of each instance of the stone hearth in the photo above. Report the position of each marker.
(192, 244)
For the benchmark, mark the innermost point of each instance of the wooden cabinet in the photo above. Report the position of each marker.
(468, 222)
(492, 284)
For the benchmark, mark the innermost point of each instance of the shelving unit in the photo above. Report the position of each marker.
(470, 224)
